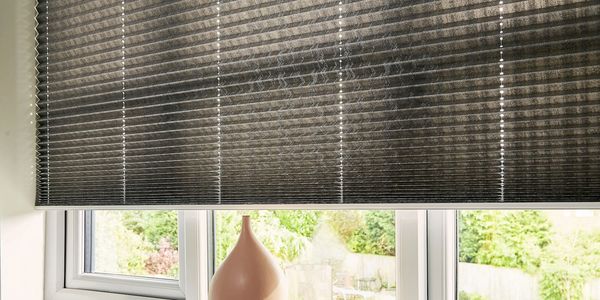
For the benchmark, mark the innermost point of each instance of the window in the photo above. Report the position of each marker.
(529, 254)
(131, 254)
(345, 254)
(126, 254)
(135, 243)
(331, 254)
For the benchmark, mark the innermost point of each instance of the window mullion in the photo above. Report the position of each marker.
(411, 253)
(194, 240)
(441, 254)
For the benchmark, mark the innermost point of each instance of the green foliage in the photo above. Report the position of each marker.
(153, 226)
(371, 232)
(115, 242)
(132, 253)
(141, 238)
(562, 282)
(523, 239)
(514, 239)
(301, 222)
(346, 222)
(571, 261)
(470, 296)
(378, 236)
(227, 229)
(284, 233)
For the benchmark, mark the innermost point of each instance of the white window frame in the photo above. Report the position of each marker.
(411, 254)
(442, 254)
(66, 279)
(427, 254)
(425, 266)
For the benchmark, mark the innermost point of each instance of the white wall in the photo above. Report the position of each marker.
(21, 226)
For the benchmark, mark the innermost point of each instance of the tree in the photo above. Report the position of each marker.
(514, 239)
(571, 260)
(523, 239)
(158, 231)
(301, 222)
(284, 233)
(154, 226)
(371, 232)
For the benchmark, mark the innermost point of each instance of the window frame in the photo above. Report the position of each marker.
(417, 235)
(76, 276)
(66, 280)
(442, 254)
(411, 252)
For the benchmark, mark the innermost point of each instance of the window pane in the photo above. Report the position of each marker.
(529, 255)
(324, 254)
(137, 243)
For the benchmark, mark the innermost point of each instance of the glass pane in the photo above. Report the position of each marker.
(136, 243)
(529, 255)
(325, 254)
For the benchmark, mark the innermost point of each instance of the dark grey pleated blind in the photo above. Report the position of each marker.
(147, 102)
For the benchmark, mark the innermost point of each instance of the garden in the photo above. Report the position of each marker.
(357, 248)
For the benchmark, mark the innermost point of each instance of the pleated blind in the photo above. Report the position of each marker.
(148, 102)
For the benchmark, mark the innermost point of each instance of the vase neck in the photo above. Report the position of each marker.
(246, 228)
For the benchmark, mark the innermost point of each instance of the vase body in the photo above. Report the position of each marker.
(249, 272)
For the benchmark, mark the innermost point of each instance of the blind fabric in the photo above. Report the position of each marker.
(195, 102)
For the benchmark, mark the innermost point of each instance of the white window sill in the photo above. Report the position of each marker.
(75, 294)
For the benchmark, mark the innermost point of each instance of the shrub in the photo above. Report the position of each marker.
(514, 239)
(164, 261)
(523, 239)
(157, 231)
(371, 232)
(571, 261)
(470, 296)
(153, 226)
(301, 222)
(284, 233)
(562, 282)
(345, 223)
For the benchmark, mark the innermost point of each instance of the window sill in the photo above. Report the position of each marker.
(76, 294)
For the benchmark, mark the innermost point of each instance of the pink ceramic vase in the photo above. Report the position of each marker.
(249, 272)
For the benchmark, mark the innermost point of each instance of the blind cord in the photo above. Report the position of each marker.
(123, 122)
(501, 79)
(48, 101)
(219, 99)
(341, 96)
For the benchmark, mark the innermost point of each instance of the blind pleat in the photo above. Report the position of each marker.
(147, 102)
(557, 157)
